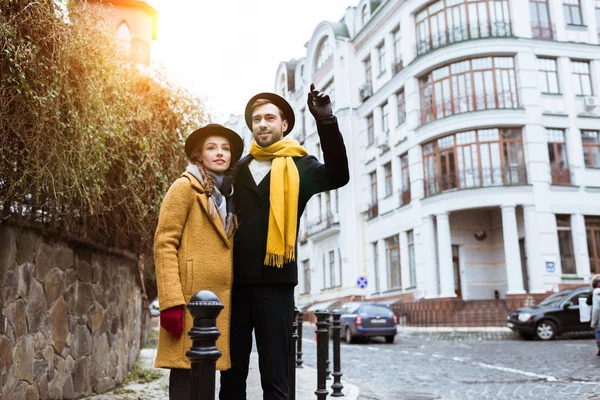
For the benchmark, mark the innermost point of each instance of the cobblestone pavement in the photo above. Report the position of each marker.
(487, 365)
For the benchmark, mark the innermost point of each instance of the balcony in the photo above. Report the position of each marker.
(323, 227)
(462, 34)
(464, 104)
(544, 32)
(476, 178)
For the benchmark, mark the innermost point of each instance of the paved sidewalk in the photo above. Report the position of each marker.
(306, 383)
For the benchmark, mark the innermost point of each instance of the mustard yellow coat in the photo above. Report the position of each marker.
(192, 252)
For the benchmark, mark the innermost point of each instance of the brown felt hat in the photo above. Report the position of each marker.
(199, 135)
(279, 101)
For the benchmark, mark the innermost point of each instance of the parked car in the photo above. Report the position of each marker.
(364, 320)
(154, 310)
(555, 315)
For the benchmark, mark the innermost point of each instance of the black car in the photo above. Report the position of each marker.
(555, 315)
(363, 320)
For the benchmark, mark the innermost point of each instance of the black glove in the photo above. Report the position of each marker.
(320, 105)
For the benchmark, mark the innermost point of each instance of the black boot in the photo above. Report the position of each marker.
(598, 344)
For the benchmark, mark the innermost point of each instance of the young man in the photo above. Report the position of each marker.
(273, 184)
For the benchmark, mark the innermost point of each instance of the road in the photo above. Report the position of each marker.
(426, 366)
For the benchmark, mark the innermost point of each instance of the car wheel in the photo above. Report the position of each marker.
(545, 330)
(526, 335)
(349, 338)
(390, 338)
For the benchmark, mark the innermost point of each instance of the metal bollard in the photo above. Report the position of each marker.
(337, 375)
(205, 307)
(327, 369)
(299, 360)
(322, 334)
(292, 360)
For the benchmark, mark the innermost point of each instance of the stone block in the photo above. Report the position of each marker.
(68, 390)
(100, 295)
(82, 342)
(40, 342)
(99, 360)
(8, 290)
(37, 306)
(39, 368)
(23, 359)
(55, 387)
(42, 385)
(54, 285)
(15, 313)
(81, 376)
(70, 277)
(64, 258)
(44, 261)
(84, 271)
(8, 244)
(59, 323)
(96, 269)
(85, 298)
(95, 315)
(104, 385)
(32, 392)
(27, 244)
(24, 277)
(6, 353)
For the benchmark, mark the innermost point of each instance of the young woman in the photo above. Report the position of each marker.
(595, 303)
(193, 248)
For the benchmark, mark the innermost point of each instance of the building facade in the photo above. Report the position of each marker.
(473, 132)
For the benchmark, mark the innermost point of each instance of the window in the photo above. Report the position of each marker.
(592, 228)
(332, 270)
(411, 258)
(324, 273)
(470, 85)
(557, 150)
(598, 18)
(325, 52)
(582, 80)
(392, 252)
(405, 196)
(541, 26)
(565, 244)
(387, 171)
(401, 107)
(306, 275)
(445, 22)
(328, 204)
(591, 148)
(373, 210)
(124, 38)
(397, 64)
(337, 203)
(572, 11)
(368, 71)
(329, 89)
(548, 75)
(370, 130)
(381, 57)
(320, 207)
(364, 15)
(477, 158)
(385, 118)
(376, 265)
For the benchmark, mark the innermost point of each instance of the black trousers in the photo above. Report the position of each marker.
(180, 384)
(269, 311)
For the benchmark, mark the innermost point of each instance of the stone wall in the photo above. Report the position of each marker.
(72, 318)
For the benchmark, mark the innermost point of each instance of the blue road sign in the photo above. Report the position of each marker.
(362, 282)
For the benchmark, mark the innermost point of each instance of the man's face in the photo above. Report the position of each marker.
(267, 125)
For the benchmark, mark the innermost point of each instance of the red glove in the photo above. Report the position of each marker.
(171, 320)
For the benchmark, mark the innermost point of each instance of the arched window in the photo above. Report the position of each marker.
(364, 16)
(325, 52)
(124, 38)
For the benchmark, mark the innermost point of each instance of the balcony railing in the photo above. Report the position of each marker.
(463, 104)
(463, 33)
(322, 224)
(476, 178)
(545, 32)
(561, 176)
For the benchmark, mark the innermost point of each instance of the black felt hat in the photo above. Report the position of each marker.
(280, 102)
(197, 137)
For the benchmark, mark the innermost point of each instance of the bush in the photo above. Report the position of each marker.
(89, 143)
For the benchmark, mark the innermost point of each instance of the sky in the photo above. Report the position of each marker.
(226, 51)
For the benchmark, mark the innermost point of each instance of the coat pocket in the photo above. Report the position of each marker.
(189, 277)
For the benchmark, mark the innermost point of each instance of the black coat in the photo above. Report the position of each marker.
(252, 207)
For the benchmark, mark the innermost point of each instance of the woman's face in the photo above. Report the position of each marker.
(216, 154)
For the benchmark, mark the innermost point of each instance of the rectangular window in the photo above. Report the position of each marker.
(405, 178)
(328, 204)
(397, 65)
(591, 148)
(401, 107)
(592, 228)
(381, 57)
(332, 269)
(373, 208)
(376, 265)
(370, 130)
(320, 207)
(411, 259)
(392, 251)
(541, 25)
(306, 275)
(324, 267)
(385, 118)
(548, 75)
(582, 80)
(557, 150)
(565, 244)
(368, 71)
(572, 11)
(387, 172)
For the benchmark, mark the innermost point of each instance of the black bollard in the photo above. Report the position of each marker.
(205, 307)
(322, 333)
(299, 360)
(292, 359)
(337, 375)
(327, 369)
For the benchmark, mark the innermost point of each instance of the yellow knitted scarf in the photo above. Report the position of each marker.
(285, 188)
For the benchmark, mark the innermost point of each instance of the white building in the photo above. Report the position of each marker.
(472, 128)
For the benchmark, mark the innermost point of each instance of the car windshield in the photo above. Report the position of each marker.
(556, 298)
(375, 309)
